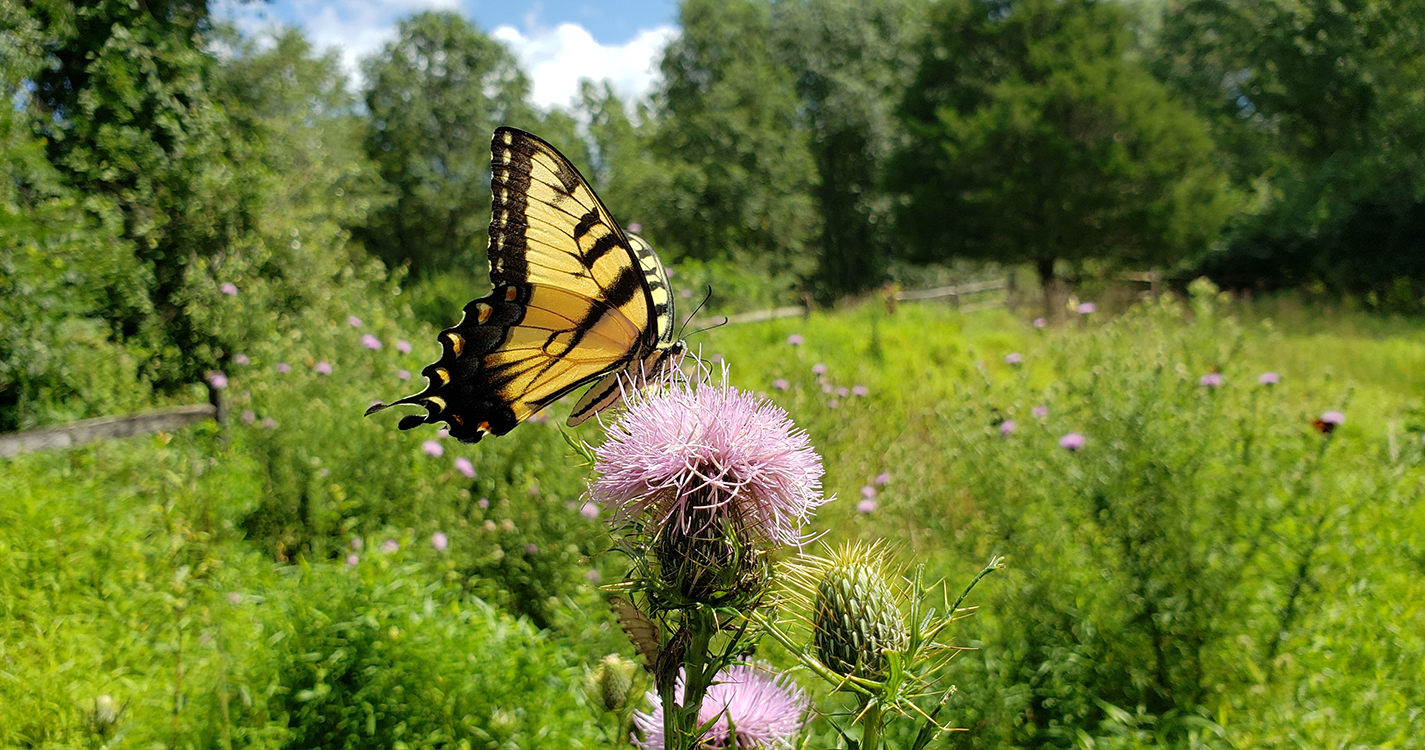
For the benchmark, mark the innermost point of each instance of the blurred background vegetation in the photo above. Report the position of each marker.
(178, 200)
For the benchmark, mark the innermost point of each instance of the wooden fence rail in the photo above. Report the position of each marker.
(103, 428)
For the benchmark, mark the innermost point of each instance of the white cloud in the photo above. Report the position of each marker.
(556, 59)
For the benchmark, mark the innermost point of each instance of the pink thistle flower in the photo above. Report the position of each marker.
(371, 342)
(781, 384)
(882, 479)
(323, 368)
(442, 433)
(248, 417)
(589, 510)
(217, 379)
(827, 388)
(403, 374)
(356, 543)
(353, 321)
(1013, 358)
(593, 576)
(440, 541)
(795, 339)
(1040, 322)
(228, 288)
(390, 545)
(269, 423)
(1328, 422)
(432, 449)
(403, 346)
(1087, 308)
(1211, 380)
(748, 705)
(859, 390)
(635, 227)
(697, 446)
(284, 368)
(531, 549)
(352, 560)
(464, 466)
(1072, 441)
(868, 492)
(1039, 412)
(1269, 378)
(843, 392)
(833, 403)
(1007, 427)
(484, 503)
(818, 369)
(866, 505)
(241, 359)
(686, 293)
(234, 598)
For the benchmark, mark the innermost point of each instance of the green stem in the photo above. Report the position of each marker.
(680, 721)
(871, 723)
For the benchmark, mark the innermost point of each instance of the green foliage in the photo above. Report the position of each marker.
(735, 167)
(1033, 127)
(434, 96)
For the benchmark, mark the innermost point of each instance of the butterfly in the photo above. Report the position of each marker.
(576, 299)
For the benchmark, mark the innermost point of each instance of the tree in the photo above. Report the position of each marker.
(434, 96)
(732, 150)
(852, 61)
(1317, 107)
(1035, 137)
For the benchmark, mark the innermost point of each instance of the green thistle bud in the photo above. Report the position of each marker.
(611, 681)
(855, 616)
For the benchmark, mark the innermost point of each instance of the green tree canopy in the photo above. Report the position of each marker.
(434, 95)
(1035, 137)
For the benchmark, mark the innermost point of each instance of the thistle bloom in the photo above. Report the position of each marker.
(248, 417)
(795, 339)
(868, 492)
(883, 478)
(1210, 380)
(269, 423)
(1013, 358)
(589, 510)
(323, 368)
(753, 707)
(353, 321)
(1269, 378)
(241, 359)
(217, 380)
(859, 390)
(1087, 308)
(1072, 441)
(464, 466)
(370, 342)
(432, 448)
(403, 374)
(868, 505)
(689, 450)
(818, 369)
(283, 367)
(1329, 421)
(1007, 427)
(440, 541)
(229, 289)
(403, 346)
(1040, 322)
(390, 545)
(1039, 412)
(781, 384)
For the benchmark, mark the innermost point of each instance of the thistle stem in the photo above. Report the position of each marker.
(680, 722)
(871, 722)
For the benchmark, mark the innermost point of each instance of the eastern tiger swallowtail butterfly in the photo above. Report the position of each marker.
(576, 299)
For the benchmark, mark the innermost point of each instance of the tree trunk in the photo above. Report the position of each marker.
(1053, 290)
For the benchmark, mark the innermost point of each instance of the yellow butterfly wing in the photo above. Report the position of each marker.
(573, 301)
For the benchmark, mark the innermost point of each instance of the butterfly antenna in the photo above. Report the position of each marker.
(722, 322)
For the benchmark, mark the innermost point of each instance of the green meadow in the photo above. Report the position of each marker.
(1208, 570)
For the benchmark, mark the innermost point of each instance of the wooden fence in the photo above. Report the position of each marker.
(103, 428)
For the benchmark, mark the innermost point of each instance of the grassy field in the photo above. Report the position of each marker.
(1208, 570)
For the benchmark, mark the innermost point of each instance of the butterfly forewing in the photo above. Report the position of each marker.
(574, 300)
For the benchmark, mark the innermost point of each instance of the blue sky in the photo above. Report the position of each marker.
(557, 41)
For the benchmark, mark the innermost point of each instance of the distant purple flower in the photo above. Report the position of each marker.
(248, 417)
(1013, 358)
(269, 423)
(635, 227)
(531, 549)
(403, 346)
(589, 510)
(323, 368)
(234, 598)
(833, 403)
(1007, 427)
(843, 392)
(827, 388)
(1211, 380)
(1087, 308)
(217, 379)
(440, 541)
(403, 374)
(390, 545)
(1269, 378)
(442, 433)
(284, 368)
(711, 446)
(241, 359)
(781, 384)
(1072, 441)
(356, 543)
(353, 321)
(228, 288)
(1039, 412)
(685, 293)
(795, 339)
(748, 705)
(859, 390)
(883, 478)
(818, 369)
(1334, 417)
(593, 577)
(868, 492)
(432, 449)
(464, 466)
(484, 503)
(1040, 322)
(370, 342)
(866, 505)
(534, 490)
(352, 560)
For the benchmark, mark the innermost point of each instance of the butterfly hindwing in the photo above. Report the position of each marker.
(575, 300)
